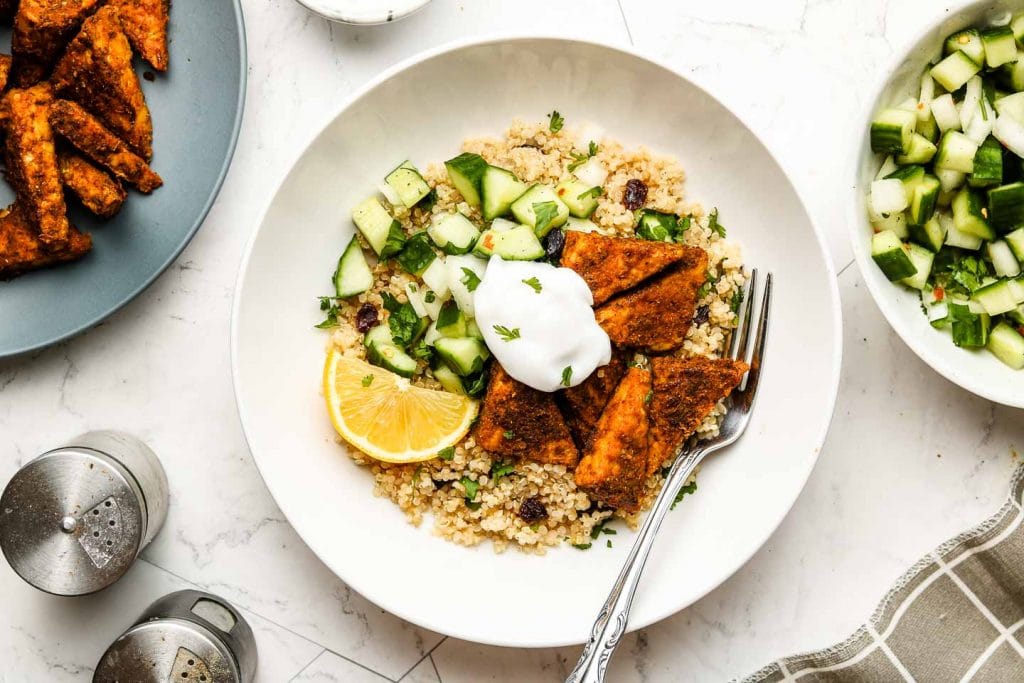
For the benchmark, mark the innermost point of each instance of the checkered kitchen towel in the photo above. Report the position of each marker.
(957, 615)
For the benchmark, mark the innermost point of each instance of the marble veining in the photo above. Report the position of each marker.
(905, 445)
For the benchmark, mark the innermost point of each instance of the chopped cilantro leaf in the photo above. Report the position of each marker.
(446, 453)
(689, 488)
(430, 297)
(602, 528)
(556, 122)
(509, 435)
(403, 320)
(705, 289)
(582, 546)
(367, 381)
(505, 333)
(566, 375)
(534, 283)
(580, 158)
(325, 302)
(713, 224)
(737, 300)
(470, 279)
(475, 384)
(501, 469)
(394, 242)
(470, 486)
(544, 213)
(417, 254)
(609, 543)
(683, 225)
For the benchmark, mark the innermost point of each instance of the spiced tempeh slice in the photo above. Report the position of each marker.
(582, 404)
(21, 250)
(32, 163)
(85, 132)
(42, 29)
(5, 70)
(97, 191)
(614, 469)
(519, 421)
(610, 265)
(145, 22)
(96, 71)
(657, 316)
(685, 391)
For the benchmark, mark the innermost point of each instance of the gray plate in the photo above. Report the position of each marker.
(197, 110)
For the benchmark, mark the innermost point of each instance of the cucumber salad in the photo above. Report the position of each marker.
(947, 204)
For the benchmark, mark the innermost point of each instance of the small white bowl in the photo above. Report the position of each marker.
(363, 12)
(978, 371)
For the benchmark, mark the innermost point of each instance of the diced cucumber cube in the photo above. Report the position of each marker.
(380, 334)
(580, 225)
(516, 244)
(449, 380)
(928, 128)
(1007, 345)
(499, 188)
(988, 164)
(453, 233)
(921, 151)
(1006, 206)
(950, 180)
(891, 131)
(997, 298)
(1015, 240)
(408, 184)
(968, 216)
(931, 234)
(1016, 316)
(353, 275)
(922, 259)
(383, 233)
(526, 206)
(892, 256)
(947, 117)
(953, 72)
(970, 330)
(1012, 106)
(464, 355)
(1000, 46)
(1003, 260)
(390, 357)
(888, 196)
(922, 206)
(579, 197)
(1017, 26)
(896, 222)
(466, 172)
(956, 152)
(967, 41)
(657, 226)
(451, 322)
(957, 238)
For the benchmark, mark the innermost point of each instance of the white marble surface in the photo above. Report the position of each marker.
(910, 461)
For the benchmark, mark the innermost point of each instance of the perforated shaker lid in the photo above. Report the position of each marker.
(71, 521)
(167, 650)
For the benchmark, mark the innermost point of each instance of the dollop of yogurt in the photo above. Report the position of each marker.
(538, 321)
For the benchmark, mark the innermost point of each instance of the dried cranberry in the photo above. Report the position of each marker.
(532, 510)
(553, 244)
(635, 195)
(701, 316)
(366, 317)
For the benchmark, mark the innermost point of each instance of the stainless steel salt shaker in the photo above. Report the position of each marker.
(73, 520)
(189, 637)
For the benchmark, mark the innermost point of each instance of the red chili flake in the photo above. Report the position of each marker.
(366, 317)
(635, 194)
(939, 293)
(532, 510)
(1021, 330)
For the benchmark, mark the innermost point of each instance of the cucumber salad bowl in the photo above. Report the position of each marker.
(938, 205)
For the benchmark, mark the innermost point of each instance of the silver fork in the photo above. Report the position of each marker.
(611, 620)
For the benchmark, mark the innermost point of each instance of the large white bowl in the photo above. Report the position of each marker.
(978, 371)
(421, 110)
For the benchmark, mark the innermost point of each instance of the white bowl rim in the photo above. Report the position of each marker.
(372, 18)
(381, 599)
(881, 292)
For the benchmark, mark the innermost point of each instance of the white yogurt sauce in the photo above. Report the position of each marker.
(553, 328)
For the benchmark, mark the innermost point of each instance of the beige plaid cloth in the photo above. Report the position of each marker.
(957, 615)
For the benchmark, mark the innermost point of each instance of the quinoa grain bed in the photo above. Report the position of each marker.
(473, 495)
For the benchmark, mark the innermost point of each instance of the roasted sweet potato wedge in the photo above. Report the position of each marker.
(96, 72)
(610, 265)
(685, 391)
(145, 22)
(657, 315)
(522, 422)
(21, 250)
(613, 469)
(86, 133)
(97, 191)
(32, 164)
(582, 404)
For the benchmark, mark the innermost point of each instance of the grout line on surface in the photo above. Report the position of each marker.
(625, 22)
(311, 662)
(285, 628)
(434, 664)
(420, 661)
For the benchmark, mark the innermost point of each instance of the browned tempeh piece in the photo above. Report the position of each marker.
(657, 316)
(96, 71)
(42, 29)
(145, 22)
(32, 163)
(97, 191)
(582, 404)
(21, 250)
(522, 422)
(5, 70)
(685, 391)
(614, 469)
(85, 132)
(610, 265)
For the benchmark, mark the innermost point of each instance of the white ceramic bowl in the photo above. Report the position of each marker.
(421, 110)
(363, 12)
(979, 371)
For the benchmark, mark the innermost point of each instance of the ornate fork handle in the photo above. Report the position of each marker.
(611, 621)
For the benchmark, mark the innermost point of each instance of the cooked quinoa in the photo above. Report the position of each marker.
(435, 487)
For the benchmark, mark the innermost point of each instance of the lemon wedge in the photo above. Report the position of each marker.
(386, 417)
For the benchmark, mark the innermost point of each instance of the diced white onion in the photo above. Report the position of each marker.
(433, 307)
(436, 277)
(412, 292)
(888, 166)
(460, 292)
(586, 133)
(938, 311)
(1003, 260)
(980, 126)
(592, 173)
(946, 115)
(502, 224)
(389, 194)
(969, 105)
(909, 104)
(888, 196)
(1012, 106)
(950, 180)
(924, 108)
(1011, 133)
